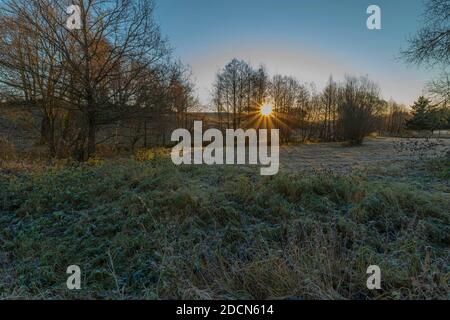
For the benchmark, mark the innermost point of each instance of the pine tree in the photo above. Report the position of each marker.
(422, 112)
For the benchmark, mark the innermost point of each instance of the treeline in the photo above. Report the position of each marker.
(346, 111)
(117, 67)
(117, 70)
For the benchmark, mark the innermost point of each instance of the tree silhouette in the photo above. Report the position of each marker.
(424, 115)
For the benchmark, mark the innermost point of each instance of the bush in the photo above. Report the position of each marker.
(359, 104)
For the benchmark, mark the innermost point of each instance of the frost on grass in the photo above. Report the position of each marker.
(148, 229)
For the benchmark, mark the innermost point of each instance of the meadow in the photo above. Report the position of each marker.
(95, 94)
(143, 228)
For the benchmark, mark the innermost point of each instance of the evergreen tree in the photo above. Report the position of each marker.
(422, 119)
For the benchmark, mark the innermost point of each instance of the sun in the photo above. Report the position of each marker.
(266, 110)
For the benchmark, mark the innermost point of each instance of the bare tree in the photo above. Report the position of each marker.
(359, 104)
(30, 73)
(440, 89)
(396, 118)
(431, 46)
(234, 91)
(329, 101)
(284, 94)
(105, 63)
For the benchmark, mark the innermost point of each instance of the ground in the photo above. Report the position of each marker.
(375, 152)
(145, 229)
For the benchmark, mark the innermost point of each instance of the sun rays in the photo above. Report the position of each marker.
(266, 110)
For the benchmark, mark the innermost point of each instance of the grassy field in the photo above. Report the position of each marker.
(145, 229)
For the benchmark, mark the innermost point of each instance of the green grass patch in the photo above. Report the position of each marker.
(150, 230)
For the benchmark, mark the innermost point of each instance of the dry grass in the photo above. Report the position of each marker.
(149, 230)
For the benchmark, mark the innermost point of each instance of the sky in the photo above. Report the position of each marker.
(307, 39)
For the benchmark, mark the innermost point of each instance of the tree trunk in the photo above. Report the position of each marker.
(91, 147)
(51, 139)
(48, 135)
(45, 126)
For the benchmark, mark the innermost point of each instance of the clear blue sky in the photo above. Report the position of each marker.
(309, 39)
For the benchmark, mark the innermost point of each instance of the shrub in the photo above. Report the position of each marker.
(359, 104)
